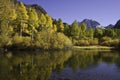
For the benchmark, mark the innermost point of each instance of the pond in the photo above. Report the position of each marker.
(60, 65)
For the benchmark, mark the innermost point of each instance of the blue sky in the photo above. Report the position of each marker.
(104, 11)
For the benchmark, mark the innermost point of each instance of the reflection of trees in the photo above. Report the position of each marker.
(81, 60)
(118, 62)
(37, 66)
(85, 59)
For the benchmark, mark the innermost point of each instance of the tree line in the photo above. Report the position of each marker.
(83, 36)
(23, 27)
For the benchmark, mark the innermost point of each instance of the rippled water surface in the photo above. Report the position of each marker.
(60, 65)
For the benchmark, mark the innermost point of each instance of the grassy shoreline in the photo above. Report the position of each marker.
(97, 47)
(94, 47)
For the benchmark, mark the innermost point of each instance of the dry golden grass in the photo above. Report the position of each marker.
(93, 47)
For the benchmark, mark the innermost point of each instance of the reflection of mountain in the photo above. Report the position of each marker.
(40, 66)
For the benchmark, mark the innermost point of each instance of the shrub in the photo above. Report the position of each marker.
(26, 41)
(53, 42)
(63, 41)
(42, 40)
(106, 39)
(82, 43)
(106, 43)
(17, 40)
(4, 40)
(67, 41)
(74, 41)
(115, 42)
(94, 41)
(46, 40)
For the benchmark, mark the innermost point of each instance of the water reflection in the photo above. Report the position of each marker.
(90, 65)
(60, 65)
(30, 66)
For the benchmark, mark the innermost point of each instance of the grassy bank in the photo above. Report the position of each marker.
(94, 47)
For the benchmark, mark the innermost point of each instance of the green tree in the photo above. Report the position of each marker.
(22, 17)
(74, 30)
(42, 20)
(83, 28)
(7, 14)
(4, 40)
(98, 33)
(54, 28)
(32, 21)
(49, 21)
(90, 33)
(66, 29)
(60, 26)
(109, 32)
(117, 32)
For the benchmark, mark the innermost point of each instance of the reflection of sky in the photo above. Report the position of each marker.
(104, 11)
(101, 72)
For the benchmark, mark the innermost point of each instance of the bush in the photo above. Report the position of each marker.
(54, 41)
(104, 39)
(94, 41)
(63, 41)
(60, 41)
(74, 41)
(107, 41)
(115, 42)
(4, 40)
(21, 41)
(26, 41)
(17, 40)
(42, 40)
(46, 40)
(82, 43)
(67, 41)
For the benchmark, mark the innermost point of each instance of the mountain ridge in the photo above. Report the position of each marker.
(91, 23)
(38, 8)
(117, 25)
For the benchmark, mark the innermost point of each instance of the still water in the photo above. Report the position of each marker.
(60, 65)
